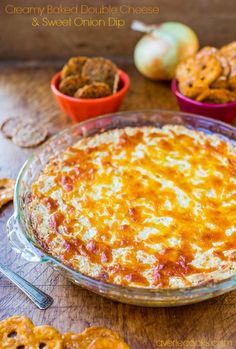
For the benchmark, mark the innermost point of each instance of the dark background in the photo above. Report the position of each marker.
(213, 20)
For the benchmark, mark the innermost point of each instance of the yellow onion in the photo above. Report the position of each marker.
(158, 53)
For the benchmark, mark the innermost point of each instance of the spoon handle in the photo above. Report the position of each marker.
(41, 299)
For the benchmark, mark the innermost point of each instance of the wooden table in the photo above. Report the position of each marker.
(25, 91)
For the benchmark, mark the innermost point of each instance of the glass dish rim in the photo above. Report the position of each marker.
(203, 288)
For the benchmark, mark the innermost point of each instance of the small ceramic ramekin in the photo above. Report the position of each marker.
(80, 109)
(225, 112)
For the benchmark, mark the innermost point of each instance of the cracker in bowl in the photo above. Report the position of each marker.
(72, 83)
(73, 66)
(209, 76)
(101, 70)
(196, 75)
(216, 96)
(95, 90)
(89, 78)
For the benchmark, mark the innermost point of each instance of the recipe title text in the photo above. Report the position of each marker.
(80, 15)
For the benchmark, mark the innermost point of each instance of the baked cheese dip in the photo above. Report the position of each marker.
(145, 207)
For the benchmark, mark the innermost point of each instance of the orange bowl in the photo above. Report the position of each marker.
(79, 109)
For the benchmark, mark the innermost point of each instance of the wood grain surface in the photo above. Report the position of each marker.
(213, 21)
(25, 91)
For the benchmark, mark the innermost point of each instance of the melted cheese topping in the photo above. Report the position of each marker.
(143, 207)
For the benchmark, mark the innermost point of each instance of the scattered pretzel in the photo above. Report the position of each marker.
(94, 338)
(6, 190)
(18, 332)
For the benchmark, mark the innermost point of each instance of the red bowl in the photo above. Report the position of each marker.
(79, 109)
(225, 112)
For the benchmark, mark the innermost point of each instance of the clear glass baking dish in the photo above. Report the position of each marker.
(19, 228)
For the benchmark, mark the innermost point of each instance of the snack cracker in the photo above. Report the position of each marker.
(216, 96)
(196, 75)
(95, 90)
(9, 126)
(29, 135)
(210, 76)
(73, 67)
(72, 83)
(101, 70)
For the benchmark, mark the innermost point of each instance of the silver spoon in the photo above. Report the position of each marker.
(41, 299)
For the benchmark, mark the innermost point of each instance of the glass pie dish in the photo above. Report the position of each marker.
(20, 231)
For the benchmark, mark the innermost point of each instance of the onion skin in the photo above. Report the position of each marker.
(188, 40)
(155, 57)
(158, 53)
